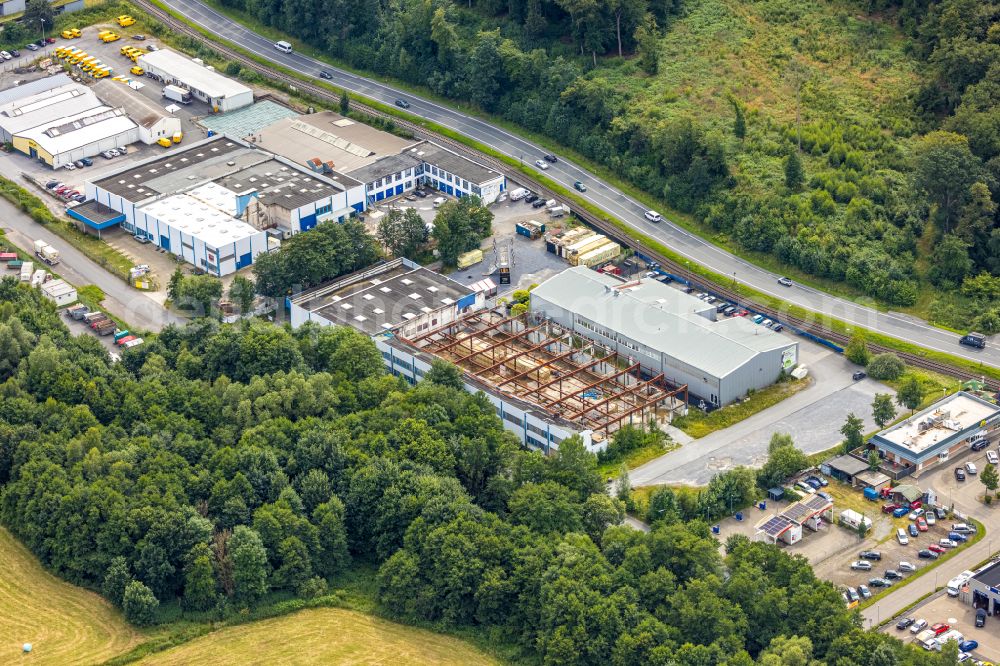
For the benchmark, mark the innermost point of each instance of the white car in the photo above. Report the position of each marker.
(992, 457)
(970, 467)
(918, 626)
(929, 517)
(947, 543)
(6, 56)
(653, 216)
(805, 487)
(901, 537)
(916, 513)
(542, 164)
(906, 566)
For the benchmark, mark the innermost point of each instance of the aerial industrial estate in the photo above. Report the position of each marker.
(413, 360)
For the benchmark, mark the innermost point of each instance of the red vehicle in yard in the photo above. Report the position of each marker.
(934, 548)
(889, 508)
(921, 524)
(940, 628)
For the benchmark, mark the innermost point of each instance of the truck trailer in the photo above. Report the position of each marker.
(46, 253)
(177, 94)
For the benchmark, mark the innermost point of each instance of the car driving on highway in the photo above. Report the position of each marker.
(402, 103)
(653, 216)
(542, 164)
(580, 187)
(785, 282)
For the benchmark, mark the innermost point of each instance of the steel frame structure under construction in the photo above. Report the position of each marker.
(535, 360)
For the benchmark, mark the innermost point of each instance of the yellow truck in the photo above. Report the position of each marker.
(110, 37)
(178, 136)
(125, 21)
(165, 142)
(134, 55)
(101, 72)
(76, 57)
(138, 71)
(71, 33)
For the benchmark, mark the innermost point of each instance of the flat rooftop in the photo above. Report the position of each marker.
(13, 93)
(249, 120)
(231, 164)
(330, 137)
(454, 163)
(47, 106)
(79, 130)
(197, 218)
(941, 421)
(381, 298)
(385, 166)
(192, 74)
(990, 575)
(139, 108)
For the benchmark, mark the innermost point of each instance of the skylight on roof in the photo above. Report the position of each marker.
(346, 306)
(407, 281)
(378, 311)
(433, 290)
(368, 297)
(415, 296)
(385, 290)
(408, 315)
(361, 318)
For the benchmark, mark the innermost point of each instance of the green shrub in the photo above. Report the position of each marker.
(886, 366)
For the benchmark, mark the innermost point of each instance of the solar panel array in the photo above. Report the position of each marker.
(774, 526)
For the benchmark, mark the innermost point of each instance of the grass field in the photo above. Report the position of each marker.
(322, 636)
(65, 624)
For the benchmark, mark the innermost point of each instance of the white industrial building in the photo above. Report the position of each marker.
(387, 165)
(202, 235)
(153, 120)
(59, 122)
(220, 92)
(234, 195)
(667, 332)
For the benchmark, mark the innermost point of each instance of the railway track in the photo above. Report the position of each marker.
(326, 95)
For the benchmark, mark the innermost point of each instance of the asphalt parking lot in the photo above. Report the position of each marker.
(961, 616)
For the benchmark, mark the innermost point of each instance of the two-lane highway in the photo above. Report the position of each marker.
(609, 199)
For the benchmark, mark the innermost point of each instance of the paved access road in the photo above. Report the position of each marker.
(126, 303)
(609, 199)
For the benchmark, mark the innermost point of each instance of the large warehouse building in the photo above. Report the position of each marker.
(59, 122)
(386, 164)
(153, 120)
(934, 434)
(668, 332)
(214, 202)
(545, 385)
(220, 92)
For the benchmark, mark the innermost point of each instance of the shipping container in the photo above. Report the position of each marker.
(14, 263)
(121, 334)
(8, 256)
(573, 252)
(124, 339)
(27, 268)
(105, 327)
(132, 343)
(469, 258)
(599, 255)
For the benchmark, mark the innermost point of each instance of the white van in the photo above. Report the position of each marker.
(437, 202)
(519, 194)
(284, 47)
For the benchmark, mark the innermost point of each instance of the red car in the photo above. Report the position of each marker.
(889, 508)
(935, 548)
(940, 628)
(916, 505)
(742, 313)
(921, 524)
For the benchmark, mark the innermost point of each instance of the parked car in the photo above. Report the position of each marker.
(861, 565)
(870, 555)
(929, 517)
(968, 646)
(6, 55)
(15, 53)
(580, 187)
(970, 467)
(959, 474)
(948, 543)
(913, 531)
(941, 512)
(934, 548)
(901, 537)
(980, 617)
(879, 582)
(853, 594)
(955, 536)
(992, 457)
(814, 483)
(921, 524)
(980, 444)
(778, 328)
(892, 574)
(889, 508)
(963, 528)
(107, 154)
(139, 38)
(87, 161)
(916, 513)
(858, 375)
(906, 566)
(32, 46)
(918, 626)
(805, 487)
(900, 512)
(550, 158)
(538, 204)
(542, 164)
(927, 554)
(864, 592)
(940, 628)
(402, 103)
(530, 197)
(52, 184)
(785, 282)
(904, 623)
(825, 495)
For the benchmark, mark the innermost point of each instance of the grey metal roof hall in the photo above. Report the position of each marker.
(671, 326)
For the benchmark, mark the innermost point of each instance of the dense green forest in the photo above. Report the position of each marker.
(857, 141)
(216, 466)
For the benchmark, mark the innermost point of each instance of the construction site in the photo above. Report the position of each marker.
(572, 379)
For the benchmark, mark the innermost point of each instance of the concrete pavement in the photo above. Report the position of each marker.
(132, 306)
(607, 198)
(812, 416)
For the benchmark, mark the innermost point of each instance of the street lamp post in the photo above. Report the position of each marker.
(42, 21)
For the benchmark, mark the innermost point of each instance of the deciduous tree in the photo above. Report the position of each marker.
(882, 409)
(910, 393)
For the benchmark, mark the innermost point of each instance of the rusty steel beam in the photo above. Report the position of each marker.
(542, 345)
(472, 316)
(458, 341)
(538, 367)
(585, 366)
(504, 342)
(606, 378)
(616, 396)
(603, 425)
